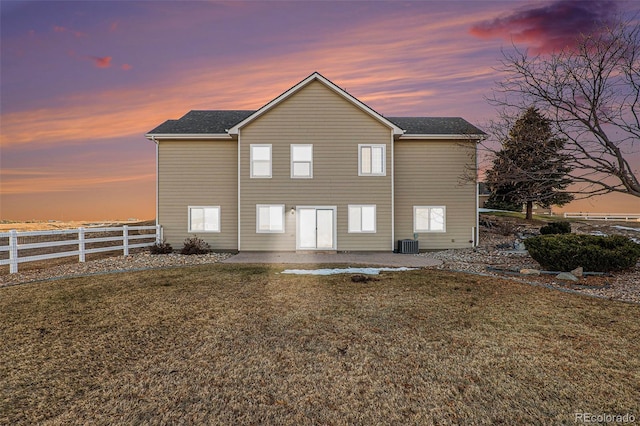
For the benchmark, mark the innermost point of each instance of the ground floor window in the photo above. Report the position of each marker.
(269, 218)
(204, 218)
(362, 218)
(429, 219)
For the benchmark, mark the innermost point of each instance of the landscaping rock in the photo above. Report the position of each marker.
(566, 276)
(578, 272)
(527, 271)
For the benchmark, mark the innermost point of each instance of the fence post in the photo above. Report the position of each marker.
(158, 234)
(13, 251)
(81, 247)
(125, 239)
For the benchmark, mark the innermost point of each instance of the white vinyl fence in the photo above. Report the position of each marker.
(33, 246)
(623, 217)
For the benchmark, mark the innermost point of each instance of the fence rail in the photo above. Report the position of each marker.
(626, 217)
(19, 246)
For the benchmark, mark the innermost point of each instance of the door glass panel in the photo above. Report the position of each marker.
(307, 228)
(325, 228)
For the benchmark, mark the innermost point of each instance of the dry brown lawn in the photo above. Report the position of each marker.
(227, 344)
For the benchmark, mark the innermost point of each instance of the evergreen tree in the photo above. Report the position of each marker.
(531, 166)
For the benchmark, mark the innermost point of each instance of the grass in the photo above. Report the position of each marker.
(227, 344)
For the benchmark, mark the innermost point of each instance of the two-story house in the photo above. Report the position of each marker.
(316, 169)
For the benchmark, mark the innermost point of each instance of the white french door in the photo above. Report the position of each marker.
(316, 228)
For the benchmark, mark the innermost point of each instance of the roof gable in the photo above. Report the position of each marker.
(315, 77)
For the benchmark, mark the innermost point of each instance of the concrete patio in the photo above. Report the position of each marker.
(351, 258)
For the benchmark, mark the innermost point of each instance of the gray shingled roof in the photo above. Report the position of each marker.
(435, 126)
(217, 122)
(202, 122)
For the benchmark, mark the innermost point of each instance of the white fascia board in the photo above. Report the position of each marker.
(316, 76)
(191, 136)
(471, 137)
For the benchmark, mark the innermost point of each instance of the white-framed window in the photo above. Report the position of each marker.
(301, 161)
(260, 160)
(204, 219)
(362, 218)
(429, 219)
(371, 160)
(269, 218)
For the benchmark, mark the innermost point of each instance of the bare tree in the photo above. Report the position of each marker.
(591, 92)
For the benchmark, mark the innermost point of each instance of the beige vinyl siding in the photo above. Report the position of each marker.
(315, 115)
(430, 173)
(198, 173)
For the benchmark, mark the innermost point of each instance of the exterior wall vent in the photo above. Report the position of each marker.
(408, 246)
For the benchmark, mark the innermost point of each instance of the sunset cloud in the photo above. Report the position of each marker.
(126, 67)
(101, 62)
(75, 177)
(60, 29)
(549, 27)
(393, 86)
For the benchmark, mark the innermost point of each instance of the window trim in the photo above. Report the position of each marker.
(384, 158)
(189, 222)
(292, 162)
(262, 231)
(444, 220)
(251, 160)
(359, 206)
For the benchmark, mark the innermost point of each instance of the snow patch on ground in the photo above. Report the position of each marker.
(366, 271)
(626, 228)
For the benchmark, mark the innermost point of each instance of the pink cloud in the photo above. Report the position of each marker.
(60, 29)
(114, 26)
(548, 27)
(102, 62)
(126, 67)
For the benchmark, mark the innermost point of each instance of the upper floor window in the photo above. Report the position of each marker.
(204, 219)
(362, 218)
(429, 219)
(260, 161)
(371, 160)
(301, 161)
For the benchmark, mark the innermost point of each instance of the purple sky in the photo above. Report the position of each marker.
(81, 82)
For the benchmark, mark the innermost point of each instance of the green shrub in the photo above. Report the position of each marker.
(556, 228)
(593, 253)
(195, 245)
(161, 248)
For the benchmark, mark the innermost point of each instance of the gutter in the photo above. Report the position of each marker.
(474, 137)
(189, 136)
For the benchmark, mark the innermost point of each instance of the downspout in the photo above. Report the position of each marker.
(153, 138)
(393, 196)
(476, 232)
(239, 178)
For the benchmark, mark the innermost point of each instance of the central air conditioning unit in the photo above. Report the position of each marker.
(408, 246)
